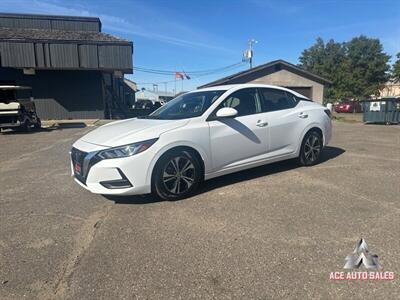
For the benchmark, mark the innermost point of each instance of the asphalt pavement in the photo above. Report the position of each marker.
(274, 232)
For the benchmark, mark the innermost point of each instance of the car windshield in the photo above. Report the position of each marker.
(186, 106)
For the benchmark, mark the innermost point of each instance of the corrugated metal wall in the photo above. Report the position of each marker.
(50, 109)
(66, 56)
(88, 56)
(25, 23)
(49, 22)
(39, 53)
(74, 25)
(62, 94)
(113, 56)
(17, 54)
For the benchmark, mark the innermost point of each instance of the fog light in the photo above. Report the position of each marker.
(122, 183)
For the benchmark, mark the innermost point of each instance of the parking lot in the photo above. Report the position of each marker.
(272, 232)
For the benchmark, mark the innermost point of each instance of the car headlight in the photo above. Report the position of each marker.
(126, 150)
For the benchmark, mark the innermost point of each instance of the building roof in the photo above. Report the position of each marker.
(27, 34)
(265, 69)
(131, 84)
(49, 17)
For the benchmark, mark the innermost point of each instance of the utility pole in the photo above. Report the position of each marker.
(248, 53)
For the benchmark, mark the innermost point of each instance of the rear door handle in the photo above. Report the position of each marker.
(261, 123)
(303, 115)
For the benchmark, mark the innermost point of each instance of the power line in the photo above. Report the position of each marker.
(170, 72)
(225, 69)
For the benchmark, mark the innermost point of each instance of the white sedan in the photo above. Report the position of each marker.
(201, 135)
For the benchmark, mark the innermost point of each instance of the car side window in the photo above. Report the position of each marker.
(274, 99)
(245, 101)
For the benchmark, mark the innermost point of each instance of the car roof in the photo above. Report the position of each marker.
(249, 85)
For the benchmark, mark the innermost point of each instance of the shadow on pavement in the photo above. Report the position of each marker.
(55, 126)
(278, 167)
(209, 185)
(66, 125)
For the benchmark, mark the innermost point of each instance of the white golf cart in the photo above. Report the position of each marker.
(17, 109)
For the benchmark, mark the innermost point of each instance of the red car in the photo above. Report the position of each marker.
(348, 107)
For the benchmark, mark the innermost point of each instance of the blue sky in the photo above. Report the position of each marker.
(200, 35)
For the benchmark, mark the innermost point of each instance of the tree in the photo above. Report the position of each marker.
(326, 60)
(357, 68)
(396, 67)
(312, 59)
(368, 66)
(336, 69)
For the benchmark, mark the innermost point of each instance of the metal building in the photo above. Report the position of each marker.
(74, 69)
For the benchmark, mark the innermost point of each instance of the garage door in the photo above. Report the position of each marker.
(305, 91)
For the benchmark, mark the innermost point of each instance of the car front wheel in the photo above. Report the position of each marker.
(177, 175)
(311, 149)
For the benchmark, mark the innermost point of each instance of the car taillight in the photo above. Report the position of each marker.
(328, 112)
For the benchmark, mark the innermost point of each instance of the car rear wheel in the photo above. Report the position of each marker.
(177, 175)
(311, 148)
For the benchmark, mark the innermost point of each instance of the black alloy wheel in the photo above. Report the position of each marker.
(311, 148)
(177, 175)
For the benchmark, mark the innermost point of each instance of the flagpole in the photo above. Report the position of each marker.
(175, 85)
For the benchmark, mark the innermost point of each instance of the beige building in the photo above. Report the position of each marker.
(391, 89)
(280, 73)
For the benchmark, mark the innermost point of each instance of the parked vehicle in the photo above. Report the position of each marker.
(144, 107)
(348, 107)
(200, 135)
(17, 109)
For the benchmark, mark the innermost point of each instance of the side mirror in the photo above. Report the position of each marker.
(226, 112)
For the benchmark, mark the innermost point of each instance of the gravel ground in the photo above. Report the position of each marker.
(272, 232)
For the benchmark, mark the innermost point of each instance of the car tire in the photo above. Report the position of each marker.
(38, 124)
(26, 126)
(177, 175)
(311, 148)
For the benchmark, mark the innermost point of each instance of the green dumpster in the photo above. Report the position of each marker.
(385, 110)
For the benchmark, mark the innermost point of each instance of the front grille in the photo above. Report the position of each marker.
(78, 158)
(78, 155)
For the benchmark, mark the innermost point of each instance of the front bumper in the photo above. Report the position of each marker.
(119, 176)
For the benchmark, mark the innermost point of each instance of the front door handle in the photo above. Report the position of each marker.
(261, 123)
(303, 115)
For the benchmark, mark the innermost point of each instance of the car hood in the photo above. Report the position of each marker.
(130, 131)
